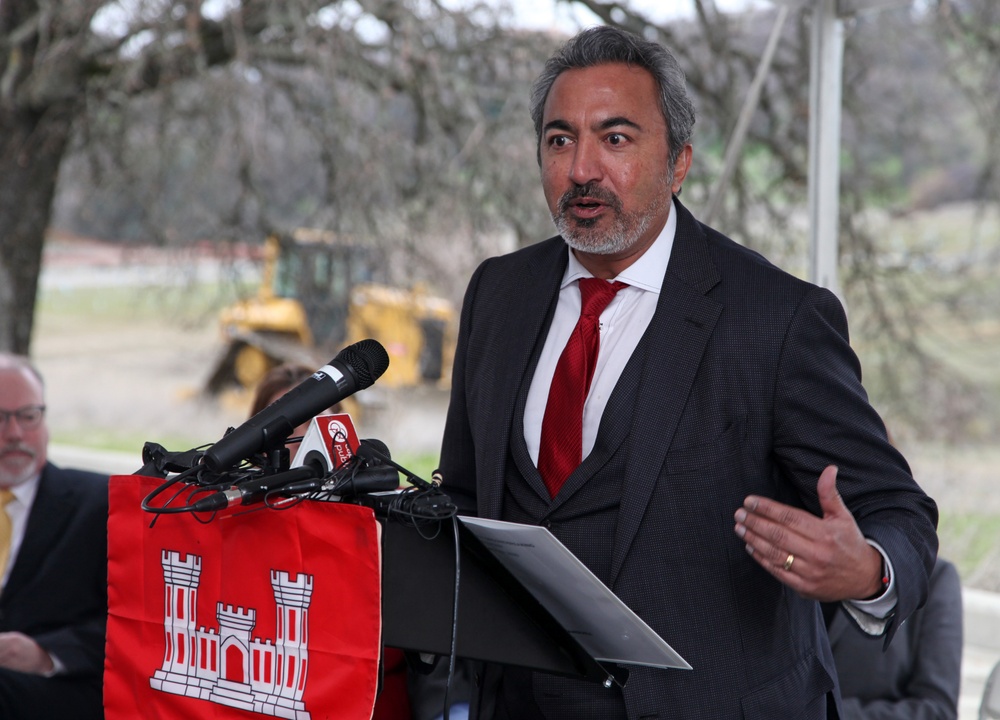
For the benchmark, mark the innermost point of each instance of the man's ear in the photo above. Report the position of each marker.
(681, 167)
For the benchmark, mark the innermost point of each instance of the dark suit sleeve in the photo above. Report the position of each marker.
(79, 647)
(931, 691)
(63, 603)
(458, 455)
(822, 417)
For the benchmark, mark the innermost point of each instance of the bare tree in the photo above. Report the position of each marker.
(405, 122)
(403, 106)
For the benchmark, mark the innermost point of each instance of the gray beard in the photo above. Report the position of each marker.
(623, 233)
(625, 230)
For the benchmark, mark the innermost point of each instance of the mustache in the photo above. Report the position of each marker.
(17, 447)
(592, 191)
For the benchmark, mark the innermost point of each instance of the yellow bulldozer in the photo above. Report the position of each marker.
(317, 295)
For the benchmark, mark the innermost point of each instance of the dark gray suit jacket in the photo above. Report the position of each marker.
(918, 676)
(743, 383)
(57, 594)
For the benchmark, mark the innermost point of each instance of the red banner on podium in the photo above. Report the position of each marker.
(267, 613)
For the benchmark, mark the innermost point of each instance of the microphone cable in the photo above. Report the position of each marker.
(454, 621)
(198, 482)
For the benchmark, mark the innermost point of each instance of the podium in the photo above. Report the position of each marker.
(277, 611)
(504, 615)
(500, 618)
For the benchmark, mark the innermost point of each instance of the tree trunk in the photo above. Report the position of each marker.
(32, 145)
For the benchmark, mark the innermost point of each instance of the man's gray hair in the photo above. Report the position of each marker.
(606, 44)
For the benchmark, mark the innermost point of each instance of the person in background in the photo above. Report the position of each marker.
(989, 706)
(275, 383)
(686, 418)
(53, 565)
(918, 676)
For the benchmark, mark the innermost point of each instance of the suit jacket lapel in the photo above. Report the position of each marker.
(535, 286)
(674, 344)
(50, 512)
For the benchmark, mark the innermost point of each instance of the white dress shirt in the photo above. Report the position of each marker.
(623, 323)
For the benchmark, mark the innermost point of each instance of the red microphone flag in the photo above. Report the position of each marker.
(333, 437)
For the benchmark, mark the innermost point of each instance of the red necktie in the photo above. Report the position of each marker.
(561, 449)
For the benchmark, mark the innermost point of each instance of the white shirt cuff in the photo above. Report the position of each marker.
(872, 616)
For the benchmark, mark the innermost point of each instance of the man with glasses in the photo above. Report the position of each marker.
(53, 565)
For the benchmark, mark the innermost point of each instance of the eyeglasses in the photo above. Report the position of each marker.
(28, 417)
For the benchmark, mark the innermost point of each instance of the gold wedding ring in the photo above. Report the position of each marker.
(788, 562)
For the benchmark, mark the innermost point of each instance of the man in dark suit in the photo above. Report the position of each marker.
(53, 565)
(728, 471)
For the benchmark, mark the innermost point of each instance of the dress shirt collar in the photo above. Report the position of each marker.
(24, 493)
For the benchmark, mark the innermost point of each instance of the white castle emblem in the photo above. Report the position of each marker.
(227, 665)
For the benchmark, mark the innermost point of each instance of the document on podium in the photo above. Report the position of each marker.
(605, 627)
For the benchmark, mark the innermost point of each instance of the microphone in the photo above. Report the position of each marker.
(373, 452)
(376, 486)
(375, 472)
(355, 368)
(254, 491)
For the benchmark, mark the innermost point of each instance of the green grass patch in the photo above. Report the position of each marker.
(182, 303)
(968, 539)
(422, 465)
(113, 440)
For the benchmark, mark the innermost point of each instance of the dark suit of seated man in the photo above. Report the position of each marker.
(53, 565)
(919, 675)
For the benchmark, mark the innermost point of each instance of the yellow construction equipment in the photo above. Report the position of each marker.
(318, 294)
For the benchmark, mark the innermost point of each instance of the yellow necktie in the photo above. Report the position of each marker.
(5, 528)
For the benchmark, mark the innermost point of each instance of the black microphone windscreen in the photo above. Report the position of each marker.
(372, 451)
(368, 359)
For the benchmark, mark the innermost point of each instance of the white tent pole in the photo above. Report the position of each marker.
(825, 83)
